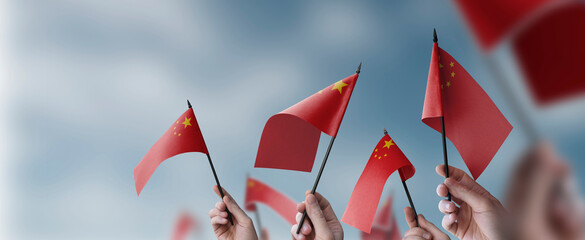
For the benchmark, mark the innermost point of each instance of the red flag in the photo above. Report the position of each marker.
(291, 137)
(551, 52)
(183, 136)
(473, 122)
(385, 226)
(185, 224)
(491, 20)
(385, 159)
(258, 192)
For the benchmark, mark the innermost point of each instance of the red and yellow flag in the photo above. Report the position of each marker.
(473, 123)
(291, 137)
(385, 159)
(183, 136)
(258, 192)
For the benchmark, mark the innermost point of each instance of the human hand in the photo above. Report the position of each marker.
(477, 215)
(426, 231)
(321, 222)
(543, 200)
(242, 229)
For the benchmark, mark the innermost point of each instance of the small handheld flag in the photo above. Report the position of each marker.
(385, 159)
(183, 136)
(455, 102)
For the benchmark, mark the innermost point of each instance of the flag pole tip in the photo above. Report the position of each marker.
(435, 39)
(189, 104)
(359, 69)
(385, 132)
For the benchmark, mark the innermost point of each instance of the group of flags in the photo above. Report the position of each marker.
(454, 105)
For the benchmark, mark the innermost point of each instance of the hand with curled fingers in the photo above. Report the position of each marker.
(321, 222)
(243, 228)
(426, 231)
(473, 213)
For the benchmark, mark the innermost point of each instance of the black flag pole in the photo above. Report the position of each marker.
(445, 158)
(408, 194)
(359, 68)
(410, 201)
(216, 179)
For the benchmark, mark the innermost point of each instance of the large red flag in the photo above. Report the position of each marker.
(291, 137)
(183, 136)
(185, 224)
(491, 20)
(551, 52)
(258, 192)
(473, 122)
(385, 226)
(385, 159)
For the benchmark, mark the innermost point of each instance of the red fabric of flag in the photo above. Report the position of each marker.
(258, 192)
(491, 20)
(551, 53)
(291, 137)
(385, 226)
(185, 224)
(183, 136)
(473, 123)
(385, 159)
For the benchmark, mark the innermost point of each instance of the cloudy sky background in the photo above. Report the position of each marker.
(89, 86)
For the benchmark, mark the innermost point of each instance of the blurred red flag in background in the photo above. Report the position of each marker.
(291, 137)
(473, 122)
(491, 20)
(385, 226)
(551, 53)
(385, 159)
(258, 192)
(183, 136)
(184, 225)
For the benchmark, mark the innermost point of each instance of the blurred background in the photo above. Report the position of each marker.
(89, 86)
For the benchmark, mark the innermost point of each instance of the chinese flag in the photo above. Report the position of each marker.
(491, 20)
(551, 52)
(185, 223)
(385, 226)
(183, 136)
(473, 123)
(258, 192)
(385, 159)
(291, 137)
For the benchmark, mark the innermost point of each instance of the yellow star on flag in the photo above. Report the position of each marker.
(451, 64)
(449, 84)
(250, 183)
(440, 65)
(452, 74)
(388, 144)
(339, 85)
(187, 122)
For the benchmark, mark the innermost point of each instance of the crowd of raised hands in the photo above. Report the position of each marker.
(542, 199)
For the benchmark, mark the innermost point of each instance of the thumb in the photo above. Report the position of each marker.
(236, 211)
(479, 201)
(315, 213)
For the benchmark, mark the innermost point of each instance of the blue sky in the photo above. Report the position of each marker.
(93, 84)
